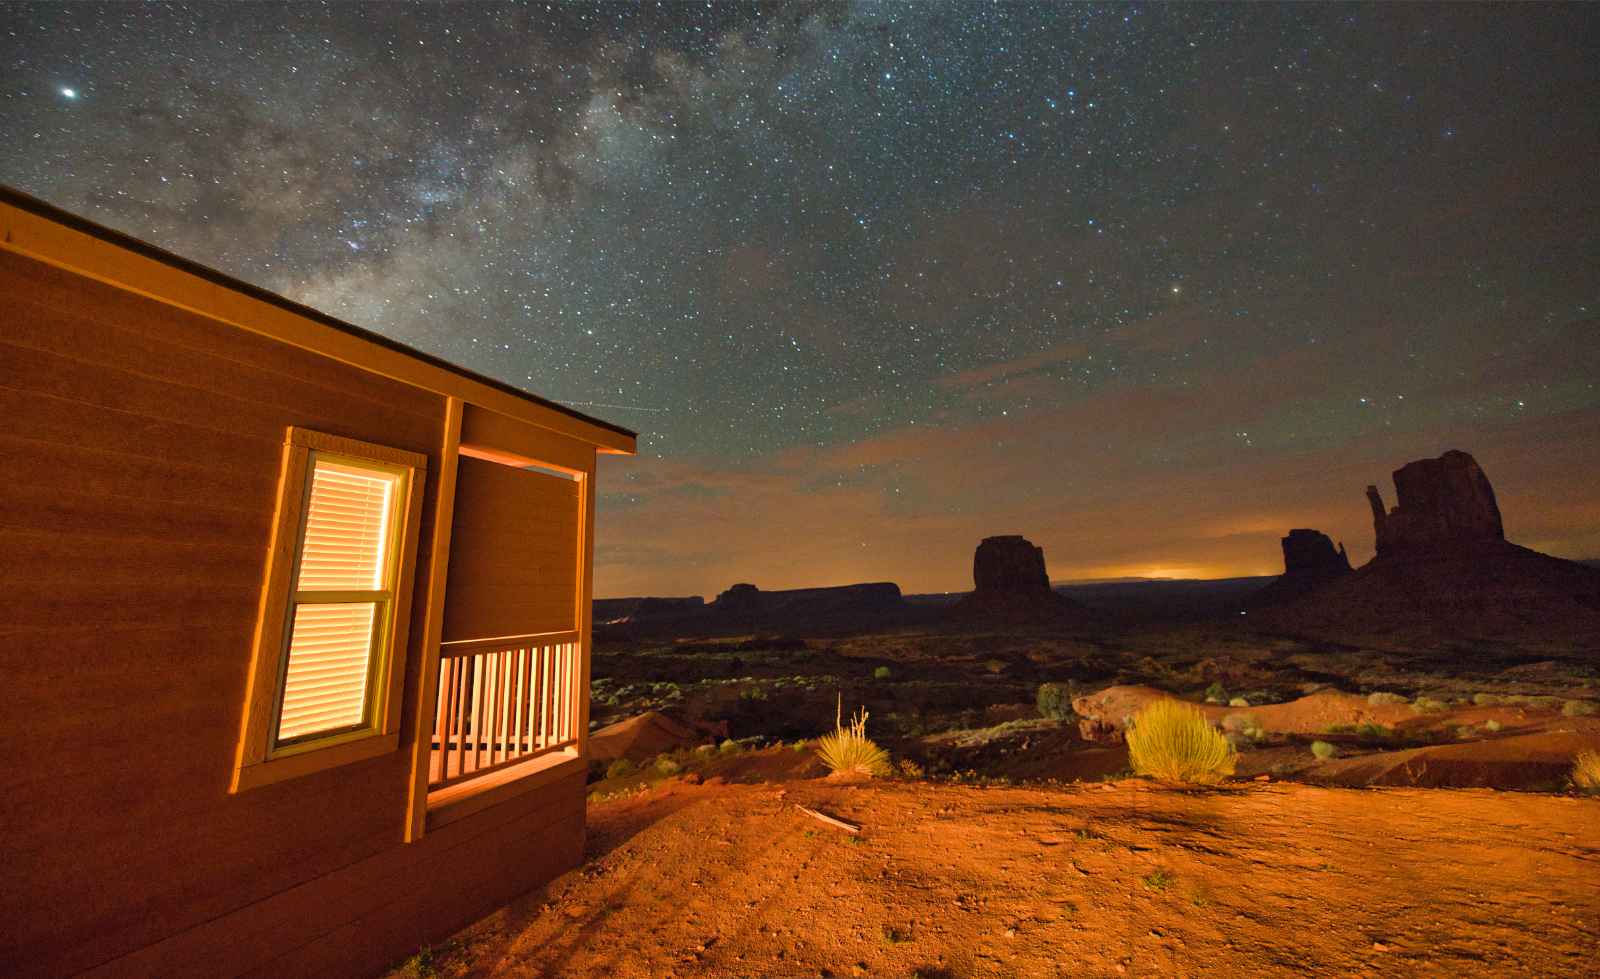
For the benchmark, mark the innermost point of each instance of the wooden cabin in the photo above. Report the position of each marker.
(295, 631)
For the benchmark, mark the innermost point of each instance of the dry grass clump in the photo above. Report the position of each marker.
(848, 750)
(1173, 741)
(1586, 771)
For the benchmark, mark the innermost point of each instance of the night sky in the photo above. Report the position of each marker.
(1150, 285)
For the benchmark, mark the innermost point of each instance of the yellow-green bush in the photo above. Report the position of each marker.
(1586, 771)
(1173, 741)
(848, 749)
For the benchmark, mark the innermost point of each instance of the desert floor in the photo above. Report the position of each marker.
(731, 878)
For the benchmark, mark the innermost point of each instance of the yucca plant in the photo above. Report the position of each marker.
(848, 749)
(1174, 741)
(1586, 771)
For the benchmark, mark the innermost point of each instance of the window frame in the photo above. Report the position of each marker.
(261, 760)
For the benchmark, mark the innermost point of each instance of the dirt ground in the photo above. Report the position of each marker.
(731, 878)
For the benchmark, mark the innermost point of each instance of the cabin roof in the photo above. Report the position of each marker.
(49, 212)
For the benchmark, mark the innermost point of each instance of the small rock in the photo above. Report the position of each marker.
(1263, 778)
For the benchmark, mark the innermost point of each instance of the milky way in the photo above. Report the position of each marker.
(1148, 284)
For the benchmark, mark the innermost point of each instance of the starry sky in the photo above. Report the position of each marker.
(1147, 284)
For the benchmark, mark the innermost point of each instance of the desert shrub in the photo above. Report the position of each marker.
(1159, 880)
(1172, 740)
(1378, 697)
(1323, 749)
(909, 768)
(1373, 731)
(1216, 694)
(882, 673)
(1054, 701)
(1491, 725)
(799, 745)
(667, 765)
(423, 965)
(1586, 771)
(1487, 699)
(1238, 702)
(729, 747)
(1429, 705)
(705, 749)
(1537, 701)
(848, 749)
(1244, 725)
(621, 768)
(1579, 708)
(1339, 729)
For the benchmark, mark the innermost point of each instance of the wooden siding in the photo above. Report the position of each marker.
(370, 915)
(142, 449)
(513, 553)
(35, 229)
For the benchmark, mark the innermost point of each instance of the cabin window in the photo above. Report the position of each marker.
(330, 646)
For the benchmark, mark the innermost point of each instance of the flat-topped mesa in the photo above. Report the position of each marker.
(1009, 565)
(743, 597)
(1441, 504)
(1311, 552)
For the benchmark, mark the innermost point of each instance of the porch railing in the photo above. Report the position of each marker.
(502, 701)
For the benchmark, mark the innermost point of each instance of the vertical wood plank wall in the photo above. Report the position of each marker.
(141, 451)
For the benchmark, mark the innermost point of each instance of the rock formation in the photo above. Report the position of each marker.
(744, 608)
(1009, 565)
(645, 609)
(1309, 561)
(1444, 568)
(742, 598)
(1441, 504)
(1011, 583)
(1310, 552)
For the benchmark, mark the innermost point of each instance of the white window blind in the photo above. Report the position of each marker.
(342, 590)
(347, 528)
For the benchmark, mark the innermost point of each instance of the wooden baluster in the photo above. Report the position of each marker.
(474, 708)
(507, 703)
(563, 694)
(458, 716)
(484, 711)
(569, 694)
(495, 704)
(549, 696)
(513, 683)
(436, 753)
(525, 671)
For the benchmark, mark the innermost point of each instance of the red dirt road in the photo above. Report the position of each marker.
(1083, 880)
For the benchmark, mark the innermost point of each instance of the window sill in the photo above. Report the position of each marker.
(307, 762)
(454, 802)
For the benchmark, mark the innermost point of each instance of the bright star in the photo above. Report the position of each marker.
(70, 93)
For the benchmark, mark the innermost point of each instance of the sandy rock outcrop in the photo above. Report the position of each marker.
(1309, 561)
(1011, 584)
(1311, 552)
(1009, 565)
(1441, 504)
(1444, 568)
